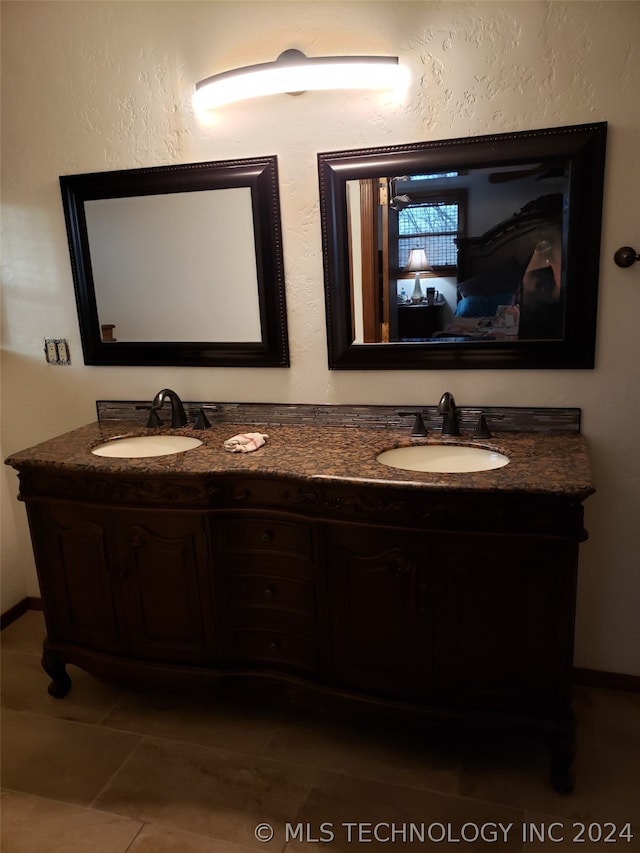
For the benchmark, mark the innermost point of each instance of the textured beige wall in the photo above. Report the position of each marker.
(89, 86)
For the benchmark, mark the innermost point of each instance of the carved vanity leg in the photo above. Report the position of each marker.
(56, 669)
(563, 753)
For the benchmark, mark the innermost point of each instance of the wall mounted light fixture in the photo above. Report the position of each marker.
(294, 73)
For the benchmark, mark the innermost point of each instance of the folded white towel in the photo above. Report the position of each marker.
(244, 442)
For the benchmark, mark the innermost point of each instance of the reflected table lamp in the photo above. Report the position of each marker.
(417, 263)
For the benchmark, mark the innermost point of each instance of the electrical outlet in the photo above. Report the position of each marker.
(63, 352)
(56, 351)
(50, 350)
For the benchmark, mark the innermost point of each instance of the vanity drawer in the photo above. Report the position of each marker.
(266, 535)
(269, 594)
(281, 648)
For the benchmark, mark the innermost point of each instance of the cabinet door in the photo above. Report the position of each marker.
(165, 585)
(378, 586)
(504, 621)
(72, 551)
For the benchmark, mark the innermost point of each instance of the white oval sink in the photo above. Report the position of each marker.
(443, 458)
(146, 445)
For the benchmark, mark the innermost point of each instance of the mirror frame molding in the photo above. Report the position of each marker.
(261, 176)
(583, 147)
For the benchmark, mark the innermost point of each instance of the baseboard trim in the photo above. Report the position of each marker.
(30, 602)
(586, 677)
(609, 680)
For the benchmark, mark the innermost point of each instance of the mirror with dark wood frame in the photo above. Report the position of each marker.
(480, 252)
(179, 265)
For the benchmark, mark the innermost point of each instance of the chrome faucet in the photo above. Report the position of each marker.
(178, 416)
(447, 408)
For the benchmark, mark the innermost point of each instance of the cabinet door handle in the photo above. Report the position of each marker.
(274, 645)
(399, 565)
(267, 536)
(422, 597)
(137, 537)
(270, 592)
(116, 571)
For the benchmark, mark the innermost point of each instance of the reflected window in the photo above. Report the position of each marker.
(433, 223)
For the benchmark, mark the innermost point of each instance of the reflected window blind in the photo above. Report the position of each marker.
(432, 226)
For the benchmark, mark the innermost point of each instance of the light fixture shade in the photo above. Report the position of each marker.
(418, 261)
(293, 72)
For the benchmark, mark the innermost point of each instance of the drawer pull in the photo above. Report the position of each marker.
(274, 645)
(270, 592)
(267, 536)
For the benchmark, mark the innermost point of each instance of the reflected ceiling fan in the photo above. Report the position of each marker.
(542, 169)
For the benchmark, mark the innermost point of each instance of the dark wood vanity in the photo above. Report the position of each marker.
(423, 594)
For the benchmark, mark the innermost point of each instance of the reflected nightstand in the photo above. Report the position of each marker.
(421, 320)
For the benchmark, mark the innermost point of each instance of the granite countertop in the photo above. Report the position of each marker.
(540, 463)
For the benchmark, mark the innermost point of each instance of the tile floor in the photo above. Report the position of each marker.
(107, 770)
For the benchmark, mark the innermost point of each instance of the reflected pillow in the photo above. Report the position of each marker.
(483, 306)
